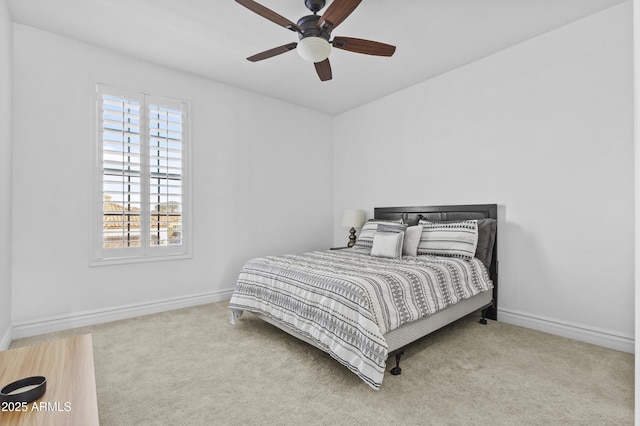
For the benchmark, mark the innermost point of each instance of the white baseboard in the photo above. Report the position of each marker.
(607, 338)
(5, 341)
(600, 337)
(98, 316)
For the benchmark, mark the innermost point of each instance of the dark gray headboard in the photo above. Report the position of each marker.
(442, 213)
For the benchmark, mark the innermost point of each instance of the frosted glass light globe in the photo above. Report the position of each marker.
(313, 49)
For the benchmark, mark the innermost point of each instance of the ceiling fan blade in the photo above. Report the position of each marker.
(272, 52)
(337, 12)
(367, 47)
(324, 70)
(265, 12)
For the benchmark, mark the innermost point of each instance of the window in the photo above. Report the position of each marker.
(142, 167)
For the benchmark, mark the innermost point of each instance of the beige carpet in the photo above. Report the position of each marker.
(191, 367)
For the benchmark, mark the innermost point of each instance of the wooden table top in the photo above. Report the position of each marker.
(70, 398)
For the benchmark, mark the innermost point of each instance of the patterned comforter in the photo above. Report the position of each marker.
(346, 300)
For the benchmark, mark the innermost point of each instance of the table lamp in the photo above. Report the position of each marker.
(355, 219)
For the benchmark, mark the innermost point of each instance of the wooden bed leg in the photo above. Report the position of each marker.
(483, 320)
(397, 370)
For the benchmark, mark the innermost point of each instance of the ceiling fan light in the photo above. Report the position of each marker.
(314, 49)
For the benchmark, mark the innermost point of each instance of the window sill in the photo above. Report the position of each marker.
(125, 260)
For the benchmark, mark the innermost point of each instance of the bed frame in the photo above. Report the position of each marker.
(486, 302)
(400, 338)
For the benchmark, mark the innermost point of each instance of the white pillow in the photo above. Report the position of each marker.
(411, 240)
(456, 239)
(387, 244)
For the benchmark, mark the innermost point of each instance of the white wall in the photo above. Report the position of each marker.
(6, 61)
(261, 184)
(544, 129)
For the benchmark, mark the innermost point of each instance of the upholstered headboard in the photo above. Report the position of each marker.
(448, 213)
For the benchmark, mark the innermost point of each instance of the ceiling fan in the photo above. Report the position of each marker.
(314, 34)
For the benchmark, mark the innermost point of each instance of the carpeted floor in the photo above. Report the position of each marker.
(191, 367)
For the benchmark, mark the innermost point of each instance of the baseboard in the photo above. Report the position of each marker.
(99, 316)
(600, 337)
(5, 341)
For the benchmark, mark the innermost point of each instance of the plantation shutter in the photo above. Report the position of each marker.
(165, 174)
(142, 165)
(121, 171)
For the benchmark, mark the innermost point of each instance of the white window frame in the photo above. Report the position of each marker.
(146, 252)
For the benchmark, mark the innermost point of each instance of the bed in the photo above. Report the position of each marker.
(365, 303)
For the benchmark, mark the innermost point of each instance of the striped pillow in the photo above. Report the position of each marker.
(365, 239)
(455, 239)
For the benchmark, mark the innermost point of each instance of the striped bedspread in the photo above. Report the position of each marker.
(346, 300)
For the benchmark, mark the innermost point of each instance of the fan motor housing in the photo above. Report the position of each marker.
(309, 28)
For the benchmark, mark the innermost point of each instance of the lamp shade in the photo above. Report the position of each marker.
(353, 218)
(313, 49)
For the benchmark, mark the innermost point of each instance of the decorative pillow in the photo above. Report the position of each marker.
(456, 239)
(387, 244)
(411, 240)
(486, 240)
(365, 239)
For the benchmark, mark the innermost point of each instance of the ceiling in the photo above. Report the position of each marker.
(212, 39)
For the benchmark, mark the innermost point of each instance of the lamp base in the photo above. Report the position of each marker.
(352, 238)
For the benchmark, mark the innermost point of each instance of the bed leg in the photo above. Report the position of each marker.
(397, 370)
(483, 320)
